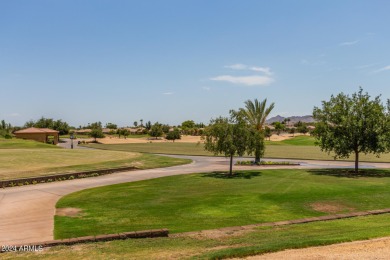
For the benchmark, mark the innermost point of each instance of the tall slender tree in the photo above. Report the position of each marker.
(256, 113)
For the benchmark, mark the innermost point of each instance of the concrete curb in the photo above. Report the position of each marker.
(99, 238)
(61, 177)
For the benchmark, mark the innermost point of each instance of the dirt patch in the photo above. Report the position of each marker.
(214, 233)
(226, 247)
(68, 212)
(330, 207)
(284, 136)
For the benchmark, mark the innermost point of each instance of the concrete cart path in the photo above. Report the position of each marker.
(27, 212)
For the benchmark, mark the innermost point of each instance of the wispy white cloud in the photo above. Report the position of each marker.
(237, 66)
(168, 93)
(348, 43)
(382, 69)
(240, 66)
(265, 70)
(253, 80)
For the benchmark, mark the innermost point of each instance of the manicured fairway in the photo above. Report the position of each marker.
(25, 158)
(293, 150)
(298, 140)
(208, 201)
(164, 148)
(19, 163)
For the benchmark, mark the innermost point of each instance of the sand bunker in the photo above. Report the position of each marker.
(184, 139)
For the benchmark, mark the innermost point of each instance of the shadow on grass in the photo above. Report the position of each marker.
(349, 173)
(236, 175)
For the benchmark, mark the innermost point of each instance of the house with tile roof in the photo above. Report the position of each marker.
(44, 135)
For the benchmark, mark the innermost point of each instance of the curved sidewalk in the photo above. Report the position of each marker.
(27, 213)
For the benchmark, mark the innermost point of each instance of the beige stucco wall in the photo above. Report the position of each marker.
(40, 137)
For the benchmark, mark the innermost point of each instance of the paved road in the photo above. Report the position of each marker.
(67, 144)
(26, 213)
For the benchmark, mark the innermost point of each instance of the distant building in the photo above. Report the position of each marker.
(83, 131)
(108, 130)
(135, 131)
(44, 135)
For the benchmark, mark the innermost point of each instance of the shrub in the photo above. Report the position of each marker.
(265, 163)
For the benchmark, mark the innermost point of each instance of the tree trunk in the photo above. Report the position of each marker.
(257, 155)
(231, 166)
(356, 162)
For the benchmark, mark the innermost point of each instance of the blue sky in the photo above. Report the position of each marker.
(170, 61)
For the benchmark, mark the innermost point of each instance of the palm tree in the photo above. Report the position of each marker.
(256, 114)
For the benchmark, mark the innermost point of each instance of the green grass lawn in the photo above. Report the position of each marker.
(299, 147)
(21, 163)
(260, 240)
(23, 144)
(25, 158)
(208, 201)
(298, 140)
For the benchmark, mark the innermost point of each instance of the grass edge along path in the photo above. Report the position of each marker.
(253, 242)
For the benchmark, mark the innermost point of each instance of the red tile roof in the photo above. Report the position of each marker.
(33, 130)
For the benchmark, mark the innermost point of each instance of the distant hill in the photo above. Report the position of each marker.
(293, 119)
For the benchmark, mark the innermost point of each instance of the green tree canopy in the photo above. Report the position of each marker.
(165, 128)
(188, 124)
(352, 125)
(302, 129)
(156, 130)
(267, 132)
(173, 135)
(279, 127)
(148, 125)
(5, 130)
(230, 136)
(111, 126)
(96, 133)
(50, 123)
(125, 132)
(256, 113)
